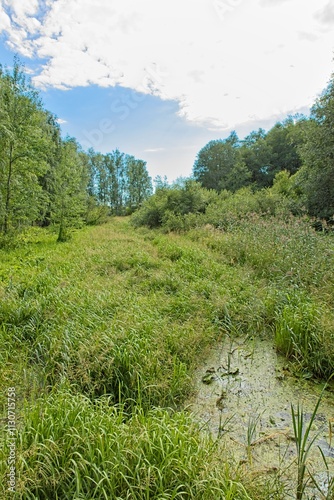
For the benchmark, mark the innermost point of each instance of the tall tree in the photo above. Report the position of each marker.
(98, 186)
(267, 154)
(116, 173)
(257, 155)
(317, 153)
(69, 182)
(25, 144)
(139, 183)
(284, 148)
(219, 165)
(53, 156)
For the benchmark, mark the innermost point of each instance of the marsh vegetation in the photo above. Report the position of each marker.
(102, 337)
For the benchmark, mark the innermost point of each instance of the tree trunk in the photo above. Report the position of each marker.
(8, 190)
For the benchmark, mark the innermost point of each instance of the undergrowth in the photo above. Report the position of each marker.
(101, 336)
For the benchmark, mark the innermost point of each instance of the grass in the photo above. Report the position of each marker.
(96, 450)
(101, 336)
(303, 444)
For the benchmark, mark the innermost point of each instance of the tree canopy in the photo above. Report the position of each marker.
(232, 164)
(317, 152)
(219, 165)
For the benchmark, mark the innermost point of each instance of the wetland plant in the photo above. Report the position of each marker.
(304, 443)
(329, 495)
(251, 434)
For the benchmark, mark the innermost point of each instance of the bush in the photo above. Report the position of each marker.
(96, 214)
(169, 205)
(188, 205)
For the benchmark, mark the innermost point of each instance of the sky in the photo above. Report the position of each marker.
(158, 80)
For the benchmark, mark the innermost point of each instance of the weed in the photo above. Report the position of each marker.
(303, 444)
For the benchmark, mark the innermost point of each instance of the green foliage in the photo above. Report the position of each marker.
(69, 189)
(87, 450)
(232, 164)
(174, 207)
(256, 153)
(102, 336)
(139, 184)
(299, 334)
(44, 179)
(182, 208)
(26, 143)
(118, 181)
(303, 444)
(317, 153)
(283, 143)
(219, 165)
(96, 213)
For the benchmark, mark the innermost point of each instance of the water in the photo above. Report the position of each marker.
(244, 393)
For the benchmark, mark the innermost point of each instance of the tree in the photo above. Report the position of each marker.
(257, 155)
(160, 183)
(139, 183)
(25, 144)
(69, 183)
(98, 183)
(284, 148)
(219, 165)
(116, 180)
(267, 154)
(52, 157)
(317, 152)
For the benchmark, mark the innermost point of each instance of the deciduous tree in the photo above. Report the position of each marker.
(25, 145)
(69, 182)
(219, 165)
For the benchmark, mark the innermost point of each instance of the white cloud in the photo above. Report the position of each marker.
(4, 20)
(154, 150)
(310, 37)
(22, 8)
(61, 121)
(326, 14)
(272, 3)
(253, 63)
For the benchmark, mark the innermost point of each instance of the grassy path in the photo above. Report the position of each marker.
(100, 337)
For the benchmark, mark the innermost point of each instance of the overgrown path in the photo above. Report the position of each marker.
(101, 331)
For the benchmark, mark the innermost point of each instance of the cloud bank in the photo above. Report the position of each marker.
(225, 62)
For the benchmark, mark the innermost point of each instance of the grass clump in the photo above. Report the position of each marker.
(73, 448)
(300, 335)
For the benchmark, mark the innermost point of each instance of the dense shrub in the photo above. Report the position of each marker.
(169, 205)
(188, 205)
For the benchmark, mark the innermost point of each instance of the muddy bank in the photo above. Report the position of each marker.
(243, 396)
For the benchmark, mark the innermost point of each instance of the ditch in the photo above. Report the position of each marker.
(243, 396)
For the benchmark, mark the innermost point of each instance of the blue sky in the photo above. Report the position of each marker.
(159, 80)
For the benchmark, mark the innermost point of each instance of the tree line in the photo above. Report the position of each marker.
(288, 170)
(301, 146)
(45, 179)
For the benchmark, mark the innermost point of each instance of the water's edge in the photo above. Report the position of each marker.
(243, 395)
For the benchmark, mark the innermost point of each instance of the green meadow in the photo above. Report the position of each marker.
(101, 335)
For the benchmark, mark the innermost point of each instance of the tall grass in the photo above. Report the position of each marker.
(290, 266)
(303, 444)
(101, 336)
(300, 335)
(73, 448)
